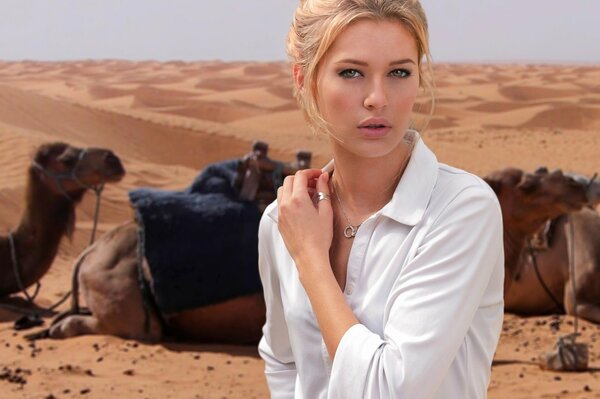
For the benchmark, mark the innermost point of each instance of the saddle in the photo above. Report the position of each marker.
(201, 243)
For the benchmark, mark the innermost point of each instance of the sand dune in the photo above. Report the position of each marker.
(567, 117)
(528, 93)
(168, 120)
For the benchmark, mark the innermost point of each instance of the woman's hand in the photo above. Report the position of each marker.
(306, 227)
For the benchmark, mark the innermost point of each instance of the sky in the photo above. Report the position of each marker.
(550, 31)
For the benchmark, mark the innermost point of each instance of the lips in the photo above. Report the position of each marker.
(373, 123)
(375, 127)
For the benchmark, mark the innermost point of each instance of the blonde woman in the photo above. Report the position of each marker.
(383, 279)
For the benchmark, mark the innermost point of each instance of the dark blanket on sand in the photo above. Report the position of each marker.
(201, 243)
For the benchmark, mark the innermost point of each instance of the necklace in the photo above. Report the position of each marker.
(350, 230)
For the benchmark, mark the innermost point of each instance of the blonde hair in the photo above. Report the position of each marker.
(316, 25)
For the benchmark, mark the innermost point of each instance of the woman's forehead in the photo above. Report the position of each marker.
(373, 41)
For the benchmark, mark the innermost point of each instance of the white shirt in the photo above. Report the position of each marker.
(425, 280)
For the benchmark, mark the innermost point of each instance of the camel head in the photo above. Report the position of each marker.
(593, 185)
(258, 176)
(536, 197)
(69, 170)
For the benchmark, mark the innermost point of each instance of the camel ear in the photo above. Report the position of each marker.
(43, 154)
(69, 157)
(529, 183)
(494, 183)
(542, 170)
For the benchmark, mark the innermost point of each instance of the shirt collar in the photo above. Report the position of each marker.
(412, 193)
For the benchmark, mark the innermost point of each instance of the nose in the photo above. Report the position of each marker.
(376, 97)
(111, 159)
(113, 162)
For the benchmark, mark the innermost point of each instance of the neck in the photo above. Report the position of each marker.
(516, 232)
(365, 185)
(46, 218)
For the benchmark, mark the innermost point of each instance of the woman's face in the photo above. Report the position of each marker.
(367, 84)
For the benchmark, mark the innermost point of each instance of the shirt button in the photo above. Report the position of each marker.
(349, 290)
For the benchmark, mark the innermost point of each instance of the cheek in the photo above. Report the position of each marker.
(406, 100)
(336, 100)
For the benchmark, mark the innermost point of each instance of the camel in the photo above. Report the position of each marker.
(110, 277)
(58, 178)
(527, 202)
(116, 280)
(574, 290)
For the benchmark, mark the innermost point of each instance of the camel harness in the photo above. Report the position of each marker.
(32, 318)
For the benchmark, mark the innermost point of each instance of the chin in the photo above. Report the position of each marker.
(375, 149)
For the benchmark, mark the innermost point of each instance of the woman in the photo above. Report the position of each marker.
(387, 282)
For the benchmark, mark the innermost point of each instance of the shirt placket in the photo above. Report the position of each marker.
(357, 256)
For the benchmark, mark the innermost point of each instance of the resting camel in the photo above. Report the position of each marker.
(58, 178)
(527, 202)
(116, 279)
(581, 295)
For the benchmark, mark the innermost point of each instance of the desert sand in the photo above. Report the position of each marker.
(168, 120)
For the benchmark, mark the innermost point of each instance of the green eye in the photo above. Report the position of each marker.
(350, 73)
(400, 73)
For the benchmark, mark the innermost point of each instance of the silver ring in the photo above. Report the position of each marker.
(322, 196)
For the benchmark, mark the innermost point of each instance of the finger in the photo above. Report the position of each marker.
(300, 183)
(324, 206)
(279, 199)
(288, 184)
(312, 173)
(312, 176)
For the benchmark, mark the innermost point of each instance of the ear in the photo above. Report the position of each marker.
(494, 183)
(542, 170)
(529, 183)
(69, 156)
(298, 76)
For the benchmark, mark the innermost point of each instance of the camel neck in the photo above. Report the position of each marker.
(516, 232)
(46, 218)
(514, 242)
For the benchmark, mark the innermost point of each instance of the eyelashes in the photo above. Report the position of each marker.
(351, 73)
(400, 73)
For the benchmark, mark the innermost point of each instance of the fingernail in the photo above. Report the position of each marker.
(326, 178)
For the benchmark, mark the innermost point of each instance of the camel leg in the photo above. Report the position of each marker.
(585, 310)
(110, 284)
(75, 325)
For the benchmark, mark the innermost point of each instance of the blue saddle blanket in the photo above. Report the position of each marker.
(201, 243)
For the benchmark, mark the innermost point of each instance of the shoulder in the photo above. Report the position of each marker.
(267, 229)
(457, 188)
(453, 182)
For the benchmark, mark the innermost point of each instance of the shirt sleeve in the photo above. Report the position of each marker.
(274, 347)
(430, 308)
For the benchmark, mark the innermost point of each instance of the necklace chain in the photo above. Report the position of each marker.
(350, 230)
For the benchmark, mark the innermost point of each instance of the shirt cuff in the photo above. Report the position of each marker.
(353, 359)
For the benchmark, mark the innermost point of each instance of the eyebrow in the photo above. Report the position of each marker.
(363, 63)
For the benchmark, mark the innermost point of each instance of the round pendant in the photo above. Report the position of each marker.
(350, 231)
